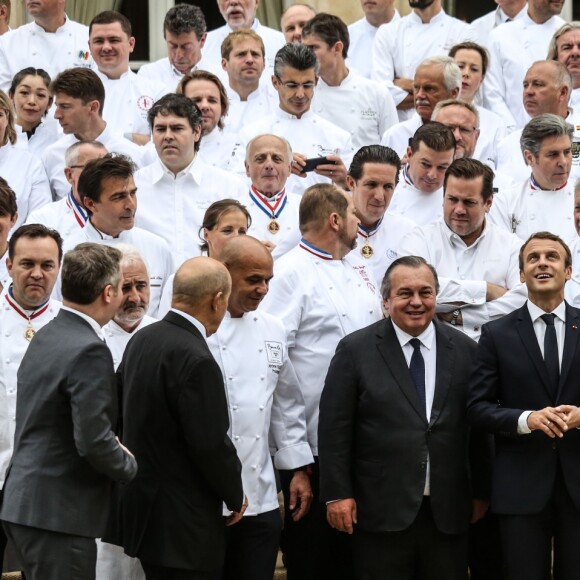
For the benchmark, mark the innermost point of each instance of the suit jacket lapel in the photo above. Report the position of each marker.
(390, 348)
(525, 329)
(570, 344)
(445, 365)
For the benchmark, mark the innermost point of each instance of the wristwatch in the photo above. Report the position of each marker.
(455, 316)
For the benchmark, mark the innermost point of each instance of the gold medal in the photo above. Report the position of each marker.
(29, 332)
(367, 251)
(273, 226)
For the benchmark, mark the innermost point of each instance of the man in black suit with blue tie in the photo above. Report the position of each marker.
(525, 389)
(393, 437)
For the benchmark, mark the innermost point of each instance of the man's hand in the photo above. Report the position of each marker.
(300, 495)
(572, 414)
(341, 515)
(479, 508)
(298, 162)
(235, 517)
(335, 171)
(549, 420)
(494, 291)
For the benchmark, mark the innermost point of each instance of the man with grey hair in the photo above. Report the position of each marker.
(400, 47)
(68, 215)
(184, 31)
(437, 78)
(545, 200)
(565, 48)
(66, 454)
(546, 89)
(295, 77)
(293, 20)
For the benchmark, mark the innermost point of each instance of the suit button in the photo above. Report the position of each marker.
(554, 445)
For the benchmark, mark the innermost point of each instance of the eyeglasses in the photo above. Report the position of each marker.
(292, 86)
(465, 131)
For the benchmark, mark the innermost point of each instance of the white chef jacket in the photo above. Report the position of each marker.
(417, 206)
(152, 247)
(45, 135)
(289, 234)
(524, 210)
(261, 103)
(4, 276)
(53, 157)
(400, 46)
(575, 99)
(128, 100)
(486, 23)
(217, 149)
(512, 51)
(397, 137)
(173, 207)
(363, 107)
(362, 35)
(13, 346)
(264, 398)
(117, 338)
(212, 55)
(162, 71)
(30, 45)
(27, 178)
(310, 135)
(385, 242)
(465, 270)
(319, 301)
(66, 216)
(572, 287)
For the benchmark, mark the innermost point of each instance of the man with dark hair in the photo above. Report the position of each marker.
(66, 456)
(79, 97)
(320, 292)
(524, 389)
(184, 31)
(52, 40)
(177, 188)
(419, 192)
(8, 216)
(477, 262)
(128, 96)
(545, 200)
(295, 77)
(339, 89)
(108, 193)
(372, 178)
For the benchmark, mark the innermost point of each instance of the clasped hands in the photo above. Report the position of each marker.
(555, 421)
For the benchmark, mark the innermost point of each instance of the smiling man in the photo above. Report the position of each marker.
(109, 195)
(536, 479)
(565, 48)
(418, 195)
(545, 200)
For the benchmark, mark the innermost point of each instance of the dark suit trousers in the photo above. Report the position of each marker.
(312, 549)
(527, 539)
(47, 555)
(153, 572)
(421, 552)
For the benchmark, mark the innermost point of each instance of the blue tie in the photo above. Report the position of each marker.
(551, 357)
(417, 368)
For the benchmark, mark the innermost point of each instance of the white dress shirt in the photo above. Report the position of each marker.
(363, 107)
(128, 100)
(30, 45)
(524, 210)
(310, 135)
(362, 35)
(486, 23)
(13, 346)
(53, 157)
(259, 104)
(319, 301)
(117, 338)
(264, 400)
(152, 247)
(173, 206)
(429, 352)
(513, 48)
(26, 176)
(416, 205)
(465, 270)
(384, 241)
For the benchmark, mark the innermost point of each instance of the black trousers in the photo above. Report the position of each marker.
(421, 552)
(312, 549)
(47, 555)
(153, 572)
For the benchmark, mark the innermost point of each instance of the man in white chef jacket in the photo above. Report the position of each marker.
(52, 41)
(265, 401)
(321, 293)
(506, 11)
(128, 96)
(545, 200)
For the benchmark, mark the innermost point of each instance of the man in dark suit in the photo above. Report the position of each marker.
(175, 418)
(525, 390)
(393, 438)
(66, 455)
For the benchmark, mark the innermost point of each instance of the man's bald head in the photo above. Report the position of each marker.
(198, 280)
(236, 252)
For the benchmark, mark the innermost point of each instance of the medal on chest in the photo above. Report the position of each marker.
(272, 207)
